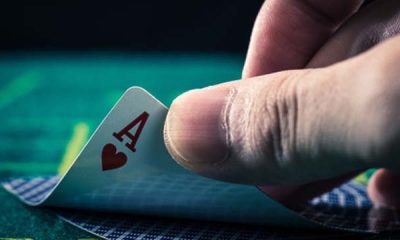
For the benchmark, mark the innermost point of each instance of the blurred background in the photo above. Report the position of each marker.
(64, 64)
(145, 26)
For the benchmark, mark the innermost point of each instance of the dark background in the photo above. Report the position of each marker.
(156, 26)
(46, 92)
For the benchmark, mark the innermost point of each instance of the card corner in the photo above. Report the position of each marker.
(136, 89)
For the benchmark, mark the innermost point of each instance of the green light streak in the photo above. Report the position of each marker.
(18, 87)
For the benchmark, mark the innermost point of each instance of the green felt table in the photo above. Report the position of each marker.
(50, 103)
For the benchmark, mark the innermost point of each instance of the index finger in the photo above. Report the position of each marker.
(287, 33)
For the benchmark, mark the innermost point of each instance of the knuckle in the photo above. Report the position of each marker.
(278, 127)
(263, 122)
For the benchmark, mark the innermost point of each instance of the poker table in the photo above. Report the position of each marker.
(51, 102)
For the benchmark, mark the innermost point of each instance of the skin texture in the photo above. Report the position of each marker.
(287, 34)
(304, 130)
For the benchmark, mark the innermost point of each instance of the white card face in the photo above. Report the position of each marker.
(127, 145)
(125, 167)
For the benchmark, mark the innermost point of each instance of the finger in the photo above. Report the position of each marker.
(357, 35)
(383, 188)
(292, 127)
(295, 196)
(287, 34)
(371, 25)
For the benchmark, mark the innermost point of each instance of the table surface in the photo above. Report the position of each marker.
(50, 103)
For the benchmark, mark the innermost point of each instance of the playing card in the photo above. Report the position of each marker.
(125, 168)
(346, 207)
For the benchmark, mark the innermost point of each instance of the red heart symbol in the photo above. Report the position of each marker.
(112, 159)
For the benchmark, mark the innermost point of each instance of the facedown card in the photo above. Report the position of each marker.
(126, 168)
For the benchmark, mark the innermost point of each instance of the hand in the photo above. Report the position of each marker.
(302, 130)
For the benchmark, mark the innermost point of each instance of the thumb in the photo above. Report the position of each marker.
(292, 127)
